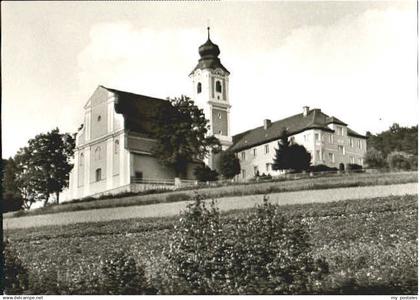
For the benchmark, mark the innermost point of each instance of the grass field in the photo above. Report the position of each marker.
(344, 180)
(370, 244)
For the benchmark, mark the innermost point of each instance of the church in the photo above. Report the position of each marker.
(113, 152)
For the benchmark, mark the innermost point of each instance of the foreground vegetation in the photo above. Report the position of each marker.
(366, 246)
(275, 186)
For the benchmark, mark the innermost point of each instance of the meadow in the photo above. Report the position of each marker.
(240, 189)
(370, 246)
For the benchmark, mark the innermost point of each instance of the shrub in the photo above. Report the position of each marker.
(262, 253)
(16, 279)
(12, 202)
(375, 159)
(204, 173)
(228, 164)
(121, 275)
(399, 160)
(354, 168)
(321, 168)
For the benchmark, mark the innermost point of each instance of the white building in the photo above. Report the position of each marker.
(330, 141)
(113, 151)
(210, 83)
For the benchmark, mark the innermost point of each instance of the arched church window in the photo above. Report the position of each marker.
(98, 153)
(116, 146)
(218, 87)
(219, 115)
(199, 88)
(81, 159)
(98, 174)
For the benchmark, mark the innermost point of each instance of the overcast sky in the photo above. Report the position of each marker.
(353, 60)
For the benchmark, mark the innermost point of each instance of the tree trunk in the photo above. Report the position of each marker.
(46, 200)
(57, 197)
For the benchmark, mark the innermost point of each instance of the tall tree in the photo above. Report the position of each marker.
(281, 161)
(228, 164)
(396, 138)
(181, 132)
(291, 156)
(43, 166)
(12, 199)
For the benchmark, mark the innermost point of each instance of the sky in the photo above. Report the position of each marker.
(354, 60)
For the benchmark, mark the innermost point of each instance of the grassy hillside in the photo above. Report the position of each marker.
(327, 182)
(370, 246)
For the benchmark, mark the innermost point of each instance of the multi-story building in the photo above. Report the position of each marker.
(114, 145)
(210, 80)
(329, 140)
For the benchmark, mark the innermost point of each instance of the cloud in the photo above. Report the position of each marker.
(155, 63)
(361, 69)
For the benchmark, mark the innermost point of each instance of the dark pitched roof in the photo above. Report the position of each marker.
(315, 119)
(139, 111)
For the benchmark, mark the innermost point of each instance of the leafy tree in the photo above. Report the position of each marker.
(375, 159)
(181, 132)
(9, 177)
(228, 164)
(43, 166)
(12, 199)
(396, 138)
(291, 156)
(399, 160)
(204, 173)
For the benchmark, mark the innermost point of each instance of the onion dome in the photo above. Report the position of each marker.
(208, 49)
(209, 56)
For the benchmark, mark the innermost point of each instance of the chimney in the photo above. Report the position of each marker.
(305, 110)
(267, 123)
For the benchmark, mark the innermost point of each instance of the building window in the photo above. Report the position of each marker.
(331, 157)
(220, 132)
(331, 136)
(243, 173)
(318, 155)
(341, 149)
(254, 151)
(98, 174)
(340, 130)
(352, 159)
(267, 167)
(361, 161)
(351, 142)
(267, 148)
(199, 88)
(243, 155)
(138, 175)
(255, 171)
(81, 159)
(99, 118)
(98, 153)
(359, 144)
(218, 87)
(116, 146)
(219, 115)
(316, 136)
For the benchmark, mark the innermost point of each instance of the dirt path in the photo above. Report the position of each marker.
(229, 203)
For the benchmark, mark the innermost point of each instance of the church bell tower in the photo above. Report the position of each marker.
(210, 80)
